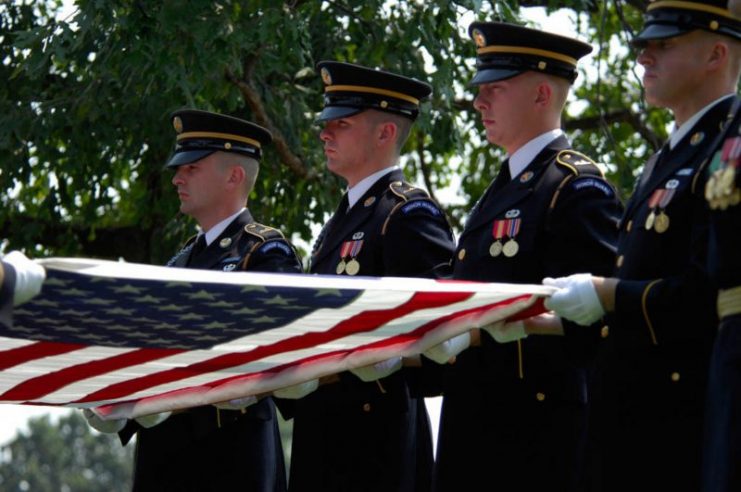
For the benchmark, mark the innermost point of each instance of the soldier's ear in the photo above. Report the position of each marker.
(718, 56)
(387, 131)
(236, 175)
(543, 93)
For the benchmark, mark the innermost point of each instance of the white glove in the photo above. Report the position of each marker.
(443, 352)
(237, 403)
(576, 299)
(28, 276)
(148, 421)
(297, 390)
(504, 332)
(100, 425)
(378, 370)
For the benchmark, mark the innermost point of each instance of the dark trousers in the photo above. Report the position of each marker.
(191, 452)
(722, 447)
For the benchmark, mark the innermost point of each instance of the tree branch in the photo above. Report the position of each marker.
(254, 101)
(619, 116)
(423, 166)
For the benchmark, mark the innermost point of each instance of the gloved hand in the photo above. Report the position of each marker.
(148, 421)
(576, 299)
(443, 352)
(378, 370)
(237, 403)
(28, 276)
(105, 426)
(297, 390)
(504, 332)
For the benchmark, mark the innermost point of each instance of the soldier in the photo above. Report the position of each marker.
(362, 434)
(722, 448)
(20, 280)
(524, 400)
(216, 161)
(659, 303)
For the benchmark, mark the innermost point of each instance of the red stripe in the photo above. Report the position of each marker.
(534, 310)
(362, 322)
(37, 387)
(38, 350)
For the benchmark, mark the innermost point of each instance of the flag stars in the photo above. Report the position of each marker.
(278, 301)
(264, 319)
(190, 317)
(99, 302)
(245, 310)
(201, 295)
(149, 299)
(328, 292)
(127, 289)
(75, 292)
(171, 307)
(254, 288)
(119, 311)
(215, 325)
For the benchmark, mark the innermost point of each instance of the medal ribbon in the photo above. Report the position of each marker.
(345, 250)
(666, 197)
(514, 227)
(497, 230)
(731, 151)
(356, 247)
(655, 197)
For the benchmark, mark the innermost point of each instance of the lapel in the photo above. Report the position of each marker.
(684, 154)
(214, 252)
(493, 204)
(357, 215)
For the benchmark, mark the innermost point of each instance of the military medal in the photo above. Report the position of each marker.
(350, 249)
(497, 232)
(662, 220)
(344, 253)
(511, 247)
(652, 202)
(353, 267)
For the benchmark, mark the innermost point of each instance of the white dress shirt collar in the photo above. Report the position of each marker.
(216, 230)
(525, 154)
(683, 130)
(356, 192)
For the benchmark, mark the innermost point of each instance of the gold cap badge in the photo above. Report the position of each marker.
(479, 38)
(177, 124)
(326, 77)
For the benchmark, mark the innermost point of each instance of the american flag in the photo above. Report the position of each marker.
(131, 340)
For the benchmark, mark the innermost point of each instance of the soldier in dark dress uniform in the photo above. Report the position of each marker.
(660, 303)
(722, 449)
(20, 280)
(524, 401)
(356, 434)
(212, 448)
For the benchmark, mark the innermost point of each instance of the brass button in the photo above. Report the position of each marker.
(629, 225)
(366, 407)
(462, 254)
(620, 260)
(675, 376)
(604, 332)
(540, 396)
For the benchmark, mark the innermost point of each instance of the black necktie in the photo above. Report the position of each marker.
(198, 247)
(503, 177)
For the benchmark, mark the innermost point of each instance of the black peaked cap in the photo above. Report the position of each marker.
(201, 133)
(505, 50)
(667, 19)
(350, 89)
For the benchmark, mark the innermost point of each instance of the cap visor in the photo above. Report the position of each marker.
(492, 75)
(334, 112)
(657, 31)
(188, 156)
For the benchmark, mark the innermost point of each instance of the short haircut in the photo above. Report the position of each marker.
(249, 164)
(403, 125)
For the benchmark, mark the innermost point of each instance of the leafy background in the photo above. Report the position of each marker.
(85, 99)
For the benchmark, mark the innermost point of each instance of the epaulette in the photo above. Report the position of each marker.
(577, 163)
(415, 200)
(263, 232)
(407, 191)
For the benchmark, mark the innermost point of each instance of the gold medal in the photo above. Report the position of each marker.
(650, 220)
(511, 248)
(735, 197)
(662, 223)
(353, 267)
(496, 248)
(727, 180)
(340, 267)
(710, 187)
